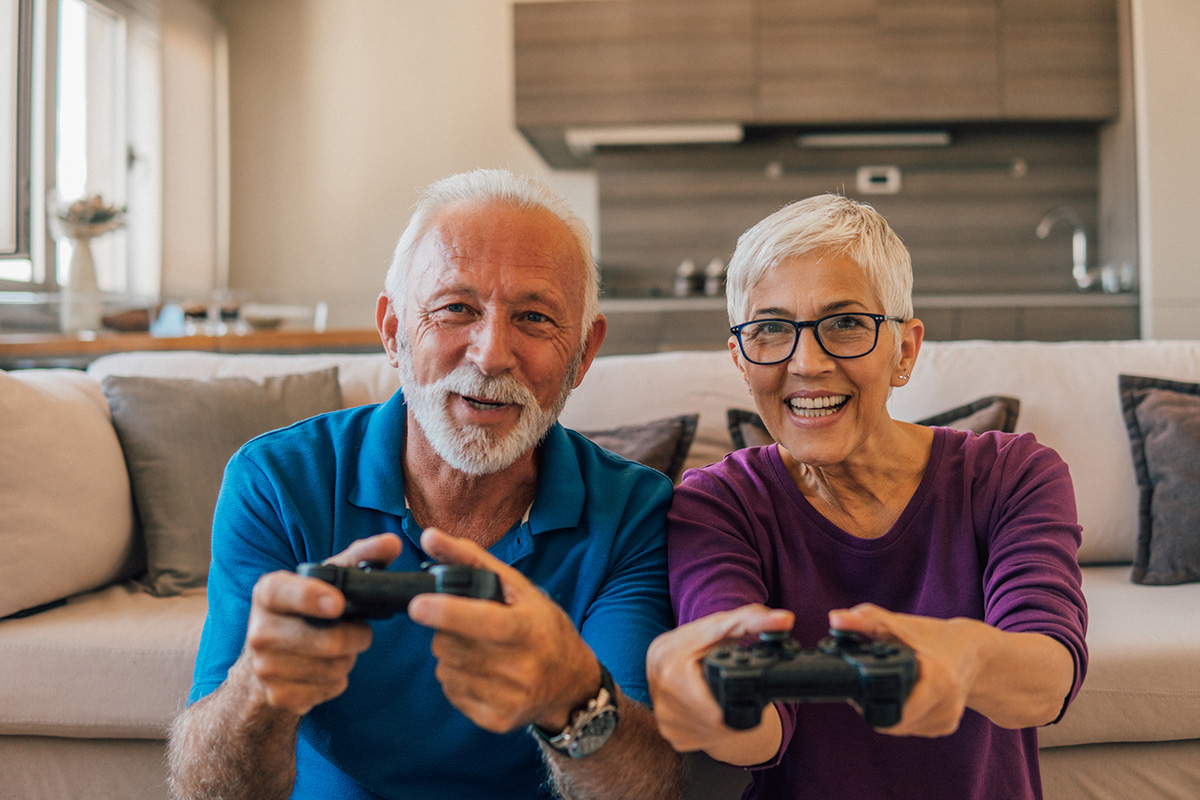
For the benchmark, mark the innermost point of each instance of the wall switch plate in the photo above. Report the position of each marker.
(878, 180)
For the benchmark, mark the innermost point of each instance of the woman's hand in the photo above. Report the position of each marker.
(1017, 680)
(687, 715)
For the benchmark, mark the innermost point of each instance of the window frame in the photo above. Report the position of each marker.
(24, 148)
(38, 149)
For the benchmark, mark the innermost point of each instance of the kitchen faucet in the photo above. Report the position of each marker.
(1079, 243)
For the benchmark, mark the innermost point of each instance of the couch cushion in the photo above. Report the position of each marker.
(662, 443)
(1163, 418)
(627, 390)
(364, 378)
(67, 519)
(1069, 400)
(113, 663)
(177, 435)
(746, 428)
(1144, 646)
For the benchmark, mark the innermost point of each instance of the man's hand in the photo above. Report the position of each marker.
(504, 666)
(292, 664)
(688, 716)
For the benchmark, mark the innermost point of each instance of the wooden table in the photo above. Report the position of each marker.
(25, 350)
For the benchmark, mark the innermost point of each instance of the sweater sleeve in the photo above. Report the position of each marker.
(715, 551)
(1032, 581)
(720, 533)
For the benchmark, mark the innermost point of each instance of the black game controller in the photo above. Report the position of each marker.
(876, 676)
(378, 594)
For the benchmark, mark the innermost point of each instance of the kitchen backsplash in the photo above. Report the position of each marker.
(967, 211)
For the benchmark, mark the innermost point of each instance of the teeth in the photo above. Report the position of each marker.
(817, 406)
(481, 404)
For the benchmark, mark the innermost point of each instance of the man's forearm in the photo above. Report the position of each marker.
(231, 745)
(635, 764)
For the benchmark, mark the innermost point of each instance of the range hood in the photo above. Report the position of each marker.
(583, 142)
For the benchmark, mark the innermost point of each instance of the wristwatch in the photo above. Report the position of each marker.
(589, 727)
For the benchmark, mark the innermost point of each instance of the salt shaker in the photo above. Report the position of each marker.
(714, 278)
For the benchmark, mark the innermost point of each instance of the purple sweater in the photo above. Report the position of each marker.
(990, 534)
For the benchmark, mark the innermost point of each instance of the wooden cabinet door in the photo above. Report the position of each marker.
(940, 59)
(1059, 59)
(843, 61)
(817, 61)
(620, 62)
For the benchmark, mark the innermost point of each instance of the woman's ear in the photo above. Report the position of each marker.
(911, 335)
(736, 353)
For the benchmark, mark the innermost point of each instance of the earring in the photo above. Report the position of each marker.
(903, 377)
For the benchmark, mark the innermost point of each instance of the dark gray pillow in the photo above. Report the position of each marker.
(1162, 418)
(992, 413)
(662, 444)
(177, 436)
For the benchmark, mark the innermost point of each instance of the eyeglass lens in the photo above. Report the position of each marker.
(841, 335)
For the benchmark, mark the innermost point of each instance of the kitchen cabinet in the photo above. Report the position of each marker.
(1036, 317)
(818, 62)
(1059, 59)
(618, 63)
(872, 61)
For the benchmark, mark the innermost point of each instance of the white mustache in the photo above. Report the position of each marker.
(469, 381)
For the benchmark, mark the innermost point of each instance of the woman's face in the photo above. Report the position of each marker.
(821, 409)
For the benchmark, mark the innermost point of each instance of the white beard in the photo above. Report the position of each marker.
(472, 449)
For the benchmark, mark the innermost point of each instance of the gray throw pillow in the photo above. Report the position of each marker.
(992, 413)
(662, 444)
(1162, 418)
(178, 435)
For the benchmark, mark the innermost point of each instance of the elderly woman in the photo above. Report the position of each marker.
(961, 546)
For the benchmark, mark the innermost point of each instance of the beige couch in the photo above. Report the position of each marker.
(87, 688)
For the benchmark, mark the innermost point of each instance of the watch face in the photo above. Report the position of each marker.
(594, 733)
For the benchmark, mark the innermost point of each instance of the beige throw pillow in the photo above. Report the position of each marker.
(67, 522)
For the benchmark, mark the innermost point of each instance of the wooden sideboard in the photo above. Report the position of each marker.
(28, 350)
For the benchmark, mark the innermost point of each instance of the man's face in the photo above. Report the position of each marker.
(490, 345)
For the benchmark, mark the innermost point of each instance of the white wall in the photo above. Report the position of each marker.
(340, 112)
(1167, 90)
(190, 225)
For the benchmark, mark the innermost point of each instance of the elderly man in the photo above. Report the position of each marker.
(490, 314)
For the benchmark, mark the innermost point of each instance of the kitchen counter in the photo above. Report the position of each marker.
(651, 324)
(25, 350)
(621, 305)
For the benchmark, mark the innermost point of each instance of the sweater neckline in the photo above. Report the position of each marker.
(894, 535)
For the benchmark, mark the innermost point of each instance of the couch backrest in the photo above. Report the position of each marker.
(1068, 394)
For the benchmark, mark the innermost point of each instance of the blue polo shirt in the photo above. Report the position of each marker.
(594, 540)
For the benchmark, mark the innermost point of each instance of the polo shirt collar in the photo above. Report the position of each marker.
(379, 480)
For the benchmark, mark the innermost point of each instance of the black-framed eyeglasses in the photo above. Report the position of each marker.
(773, 341)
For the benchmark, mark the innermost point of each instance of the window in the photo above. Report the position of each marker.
(16, 80)
(104, 110)
(107, 132)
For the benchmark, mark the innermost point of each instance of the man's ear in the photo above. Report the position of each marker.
(388, 325)
(591, 347)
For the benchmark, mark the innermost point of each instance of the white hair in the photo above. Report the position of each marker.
(827, 224)
(491, 186)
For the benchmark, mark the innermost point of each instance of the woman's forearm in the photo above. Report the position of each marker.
(1023, 678)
